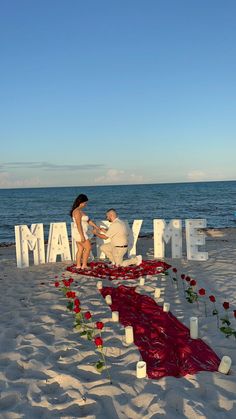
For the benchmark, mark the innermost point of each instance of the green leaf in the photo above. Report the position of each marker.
(83, 333)
(225, 321)
(99, 366)
(215, 312)
(228, 331)
(70, 305)
(64, 290)
(189, 299)
(89, 335)
(191, 295)
(78, 316)
(78, 327)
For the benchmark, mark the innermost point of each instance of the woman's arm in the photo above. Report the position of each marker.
(91, 223)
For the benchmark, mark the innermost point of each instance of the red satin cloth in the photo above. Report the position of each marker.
(163, 341)
(102, 270)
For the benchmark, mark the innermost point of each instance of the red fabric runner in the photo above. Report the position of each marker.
(102, 270)
(163, 341)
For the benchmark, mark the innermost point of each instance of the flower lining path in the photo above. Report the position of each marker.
(163, 341)
(103, 270)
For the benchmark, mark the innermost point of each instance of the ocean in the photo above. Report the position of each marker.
(214, 201)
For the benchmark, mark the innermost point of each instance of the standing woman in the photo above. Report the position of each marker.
(82, 222)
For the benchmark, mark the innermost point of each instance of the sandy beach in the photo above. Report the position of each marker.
(46, 367)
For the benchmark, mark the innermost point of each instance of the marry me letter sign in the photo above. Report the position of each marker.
(32, 239)
(163, 233)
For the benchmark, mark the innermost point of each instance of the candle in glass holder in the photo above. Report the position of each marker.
(142, 281)
(141, 369)
(225, 365)
(99, 285)
(115, 316)
(194, 327)
(157, 293)
(129, 335)
(108, 300)
(166, 307)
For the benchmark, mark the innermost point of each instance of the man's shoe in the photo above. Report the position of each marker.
(139, 260)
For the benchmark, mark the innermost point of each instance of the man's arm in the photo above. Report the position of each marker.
(102, 236)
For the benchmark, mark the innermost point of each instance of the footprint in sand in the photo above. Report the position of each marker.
(50, 388)
(9, 401)
(14, 371)
(26, 350)
(35, 374)
(26, 342)
(47, 338)
(62, 398)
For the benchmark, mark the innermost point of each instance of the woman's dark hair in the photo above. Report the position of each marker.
(81, 198)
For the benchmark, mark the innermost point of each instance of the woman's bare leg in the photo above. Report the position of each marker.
(79, 253)
(86, 252)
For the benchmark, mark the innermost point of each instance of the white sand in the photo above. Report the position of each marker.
(46, 368)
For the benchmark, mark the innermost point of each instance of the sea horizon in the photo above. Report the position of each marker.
(213, 201)
(120, 184)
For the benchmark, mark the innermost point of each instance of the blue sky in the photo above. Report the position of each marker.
(117, 91)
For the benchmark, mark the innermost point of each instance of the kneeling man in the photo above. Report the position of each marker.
(118, 246)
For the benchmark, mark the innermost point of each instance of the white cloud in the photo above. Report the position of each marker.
(48, 166)
(9, 181)
(199, 175)
(115, 176)
(43, 174)
(196, 175)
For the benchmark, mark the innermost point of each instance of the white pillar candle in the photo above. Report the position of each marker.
(225, 365)
(194, 327)
(129, 335)
(115, 316)
(166, 307)
(108, 300)
(99, 285)
(142, 281)
(157, 293)
(141, 369)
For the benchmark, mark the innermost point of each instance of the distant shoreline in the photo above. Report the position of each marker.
(122, 184)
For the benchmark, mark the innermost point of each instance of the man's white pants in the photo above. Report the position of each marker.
(116, 254)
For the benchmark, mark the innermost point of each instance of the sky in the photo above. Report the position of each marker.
(99, 92)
